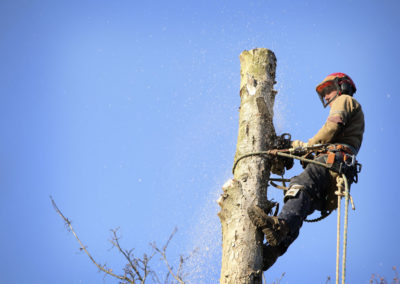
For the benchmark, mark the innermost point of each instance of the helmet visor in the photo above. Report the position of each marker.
(324, 89)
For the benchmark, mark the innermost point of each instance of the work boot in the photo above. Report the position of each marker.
(275, 230)
(270, 255)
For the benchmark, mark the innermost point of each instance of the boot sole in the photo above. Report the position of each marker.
(264, 222)
(258, 217)
(272, 237)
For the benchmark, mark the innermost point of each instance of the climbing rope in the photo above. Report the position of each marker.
(339, 185)
(261, 153)
(346, 218)
(340, 180)
(278, 153)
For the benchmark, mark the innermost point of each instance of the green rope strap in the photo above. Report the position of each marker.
(262, 153)
(267, 153)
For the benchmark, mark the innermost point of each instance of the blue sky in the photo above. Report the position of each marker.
(126, 112)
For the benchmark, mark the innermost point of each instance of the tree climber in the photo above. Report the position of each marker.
(314, 188)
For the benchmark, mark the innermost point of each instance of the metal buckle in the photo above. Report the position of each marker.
(353, 160)
(358, 168)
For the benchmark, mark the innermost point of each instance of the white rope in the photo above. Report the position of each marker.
(340, 180)
(346, 217)
(339, 185)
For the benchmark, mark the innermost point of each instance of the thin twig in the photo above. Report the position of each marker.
(163, 254)
(182, 261)
(83, 247)
(280, 279)
(328, 280)
(127, 255)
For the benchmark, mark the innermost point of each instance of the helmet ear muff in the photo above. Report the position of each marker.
(345, 87)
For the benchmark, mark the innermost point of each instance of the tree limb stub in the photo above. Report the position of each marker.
(241, 241)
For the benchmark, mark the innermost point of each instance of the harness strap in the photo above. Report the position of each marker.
(331, 158)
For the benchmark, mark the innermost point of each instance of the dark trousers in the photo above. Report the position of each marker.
(315, 182)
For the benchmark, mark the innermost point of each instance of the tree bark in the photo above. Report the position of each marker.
(241, 241)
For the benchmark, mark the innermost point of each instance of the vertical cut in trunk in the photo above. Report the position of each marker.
(241, 241)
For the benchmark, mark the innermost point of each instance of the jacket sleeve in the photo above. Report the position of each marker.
(337, 119)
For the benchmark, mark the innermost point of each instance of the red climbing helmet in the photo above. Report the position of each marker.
(340, 82)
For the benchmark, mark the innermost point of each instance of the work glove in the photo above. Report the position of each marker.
(298, 143)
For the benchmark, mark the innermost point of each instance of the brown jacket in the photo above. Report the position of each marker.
(345, 124)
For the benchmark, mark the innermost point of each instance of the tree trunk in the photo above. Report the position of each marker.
(241, 241)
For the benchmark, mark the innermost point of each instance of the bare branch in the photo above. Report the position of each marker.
(126, 254)
(182, 261)
(83, 247)
(166, 278)
(170, 238)
(280, 279)
(164, 257)
(137, 269)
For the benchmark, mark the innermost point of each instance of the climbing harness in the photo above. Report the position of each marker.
(283, 180)
(348, 168)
